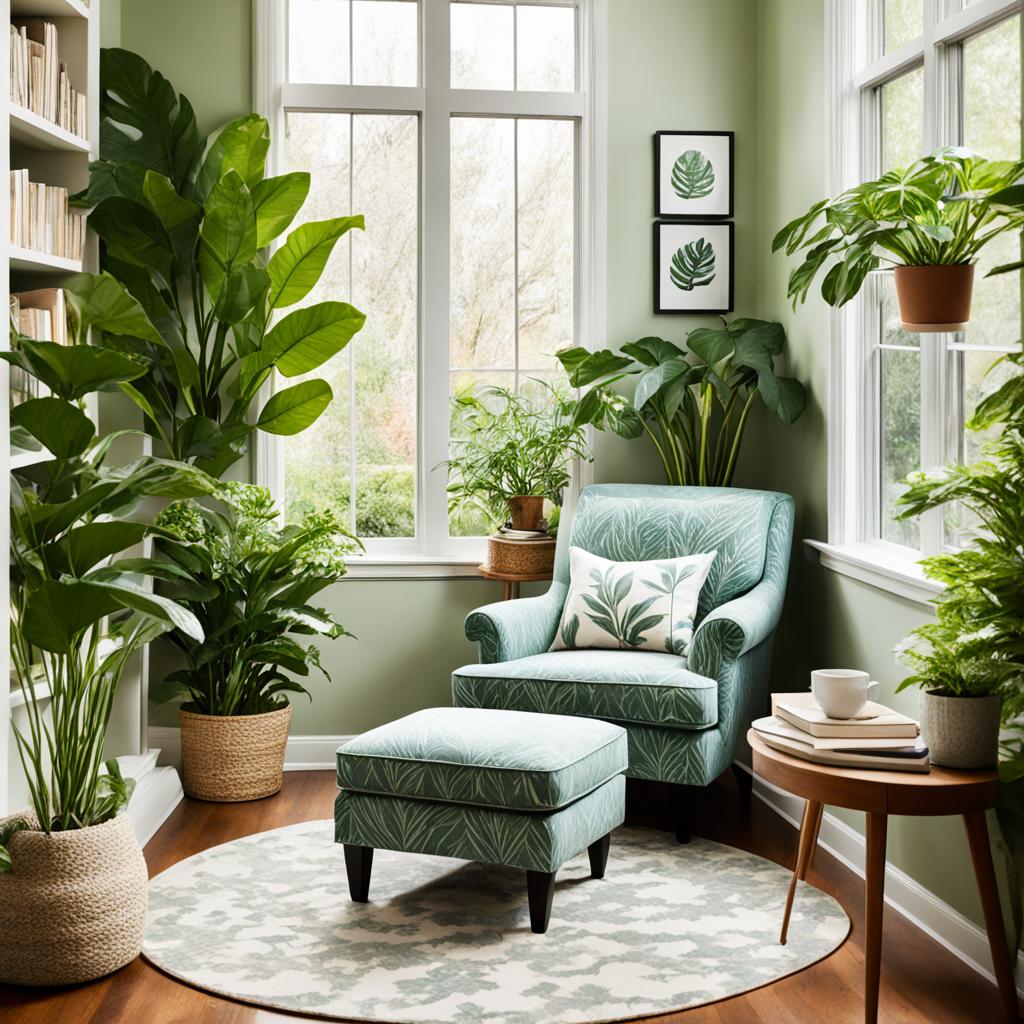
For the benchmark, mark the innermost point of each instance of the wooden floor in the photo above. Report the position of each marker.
(922, 983)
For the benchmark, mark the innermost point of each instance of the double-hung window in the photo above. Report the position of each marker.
(460, 130)
(908, 76)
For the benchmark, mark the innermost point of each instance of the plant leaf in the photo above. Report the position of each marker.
(693, 265)
(292, 410)
(73, 371)
(56, 424)
(179, 216)
(276, 202)
(296, 267)
(306, 338)
(99, 300)
(228, 239)
(693, 177)
(240, 146)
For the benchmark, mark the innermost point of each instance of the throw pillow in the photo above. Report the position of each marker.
(631, 605)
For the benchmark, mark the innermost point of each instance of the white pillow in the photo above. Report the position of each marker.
(631, 605)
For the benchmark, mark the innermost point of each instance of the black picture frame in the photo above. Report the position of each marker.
(687, 226)
(664, 210)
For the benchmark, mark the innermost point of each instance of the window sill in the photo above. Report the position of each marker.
(879, 567)
(412, 567)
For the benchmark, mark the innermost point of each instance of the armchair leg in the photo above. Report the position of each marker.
(679, 805)
(745, 781)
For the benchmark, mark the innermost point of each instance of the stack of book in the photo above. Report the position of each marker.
(40, 315)
(39, 78)
(42, 220)
(877, 738)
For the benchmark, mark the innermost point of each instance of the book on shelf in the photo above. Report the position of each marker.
(41, 315)
(40, 81)
(874, 721)
(42, 220)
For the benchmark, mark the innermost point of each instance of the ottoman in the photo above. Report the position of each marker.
(515, 788)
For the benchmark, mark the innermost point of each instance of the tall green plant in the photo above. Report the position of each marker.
(692, 404)
(188, 288)
(79, 610)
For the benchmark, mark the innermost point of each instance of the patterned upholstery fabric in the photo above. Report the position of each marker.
(737, 614)
(485, 758)
(623, 686)
(534, 842)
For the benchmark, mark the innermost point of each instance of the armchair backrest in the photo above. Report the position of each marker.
(638, 522)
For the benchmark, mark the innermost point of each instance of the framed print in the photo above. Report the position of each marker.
(693, 267)
(693, 174)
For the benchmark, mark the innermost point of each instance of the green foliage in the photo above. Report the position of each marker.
(506, 446)
(385, 497)
(249, 582)
(71, 522)
(188, 293)
(612, 611)
(693, 265)
(693, 405)
(693, 177)
(942, 209)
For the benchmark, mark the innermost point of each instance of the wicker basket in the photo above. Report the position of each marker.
(521, 557)
(73, 906)
(229, 758)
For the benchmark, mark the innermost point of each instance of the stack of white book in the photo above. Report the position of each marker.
(877, 737)
(42, 220)
(42, 315)
(39, 78)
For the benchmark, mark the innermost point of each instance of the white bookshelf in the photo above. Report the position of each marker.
(36, 132)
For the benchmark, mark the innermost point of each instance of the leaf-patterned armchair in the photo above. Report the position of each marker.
(684, 715)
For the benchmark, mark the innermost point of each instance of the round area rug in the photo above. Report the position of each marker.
(267, 919)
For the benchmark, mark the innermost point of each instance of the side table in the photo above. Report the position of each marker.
(510, 582)
(879, 794)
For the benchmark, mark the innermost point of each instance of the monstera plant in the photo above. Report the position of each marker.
(188, 287)
(693, 404)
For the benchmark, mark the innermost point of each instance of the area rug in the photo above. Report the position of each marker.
(267, 920)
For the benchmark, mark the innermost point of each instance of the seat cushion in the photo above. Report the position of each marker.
(626, 686)
(502, 759)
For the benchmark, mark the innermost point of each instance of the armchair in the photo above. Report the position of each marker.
(683, 715)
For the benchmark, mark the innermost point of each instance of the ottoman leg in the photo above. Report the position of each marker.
(598, 853)
(358, 862)
(540, 887)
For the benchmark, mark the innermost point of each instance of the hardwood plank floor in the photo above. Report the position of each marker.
(922, 983)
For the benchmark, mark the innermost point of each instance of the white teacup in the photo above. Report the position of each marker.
(841, 692)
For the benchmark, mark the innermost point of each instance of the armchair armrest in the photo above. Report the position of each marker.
(516, 629)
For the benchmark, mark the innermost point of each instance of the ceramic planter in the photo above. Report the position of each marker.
(73, 905)
(935, 298)
(961, 732)
(230, 758)
(527, 511)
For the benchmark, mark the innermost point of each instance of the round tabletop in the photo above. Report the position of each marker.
(939, 791)
(510, 577)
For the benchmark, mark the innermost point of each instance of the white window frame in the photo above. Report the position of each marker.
(432, 553)
(853, 33)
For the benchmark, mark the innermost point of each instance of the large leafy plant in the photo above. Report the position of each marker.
(693, 404)
(185, 223)
(940, 209)
(508, 444)
(79, 609)
(249, 582)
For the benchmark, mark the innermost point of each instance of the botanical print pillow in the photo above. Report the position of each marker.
(638, 605)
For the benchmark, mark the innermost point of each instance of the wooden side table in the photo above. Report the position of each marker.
(879, 794)
(510, 582)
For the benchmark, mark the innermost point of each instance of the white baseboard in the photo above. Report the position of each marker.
(302, 753)
(921, 907)
(157, 792)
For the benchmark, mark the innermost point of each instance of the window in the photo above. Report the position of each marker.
(459, 130)
(909, 76)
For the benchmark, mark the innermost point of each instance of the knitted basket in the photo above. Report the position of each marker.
(73, 905)
(521, 558)
(229, 758)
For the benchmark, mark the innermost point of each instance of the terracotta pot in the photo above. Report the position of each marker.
(73, 905)
(961, 732)
(230, 758)
(521, 557)
(936, 298)
(527, 511)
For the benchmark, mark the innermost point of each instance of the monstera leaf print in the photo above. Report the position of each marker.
(670, 577)
(693, 265)
(693, 177)
(610, 612)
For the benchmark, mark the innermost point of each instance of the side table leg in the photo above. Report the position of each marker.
(506, 590)
(981, 855)
(808, 836)
(814, 841)
(874, 903)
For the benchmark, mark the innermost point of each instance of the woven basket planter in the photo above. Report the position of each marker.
(73, 906)
(521, 558)
(230, 758)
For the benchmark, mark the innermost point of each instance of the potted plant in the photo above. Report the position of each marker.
(249, 582)
(511, 453)
(694, 403)
(72, 876)
(928, 220)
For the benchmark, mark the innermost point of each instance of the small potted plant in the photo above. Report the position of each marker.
(249, 582)
(511, 454)
(929, 220)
